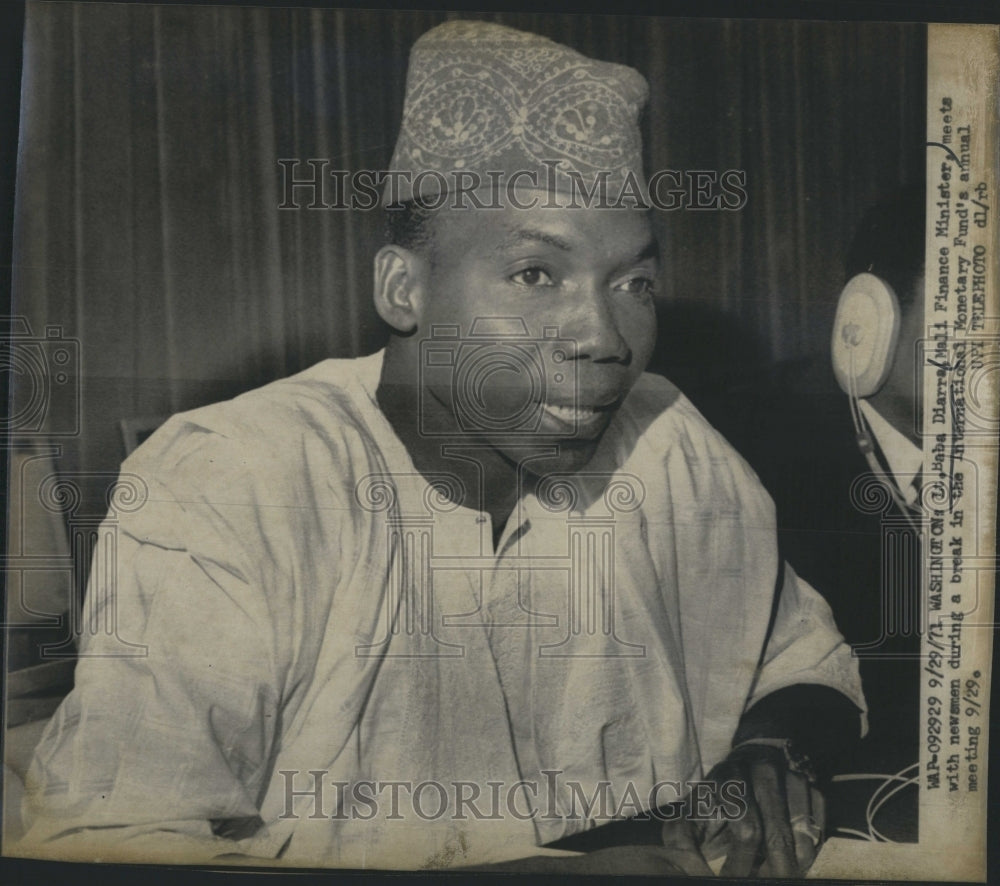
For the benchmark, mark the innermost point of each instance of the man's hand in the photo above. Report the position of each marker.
(781, 830)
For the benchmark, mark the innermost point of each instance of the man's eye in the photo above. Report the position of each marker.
(532, 277)
(638, 285)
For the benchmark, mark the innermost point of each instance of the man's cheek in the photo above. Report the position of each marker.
(642, 344)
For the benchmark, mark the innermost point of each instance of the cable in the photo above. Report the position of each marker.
(874, 811)
(854, 833)
(867, 446)
(886, 782)
(876, 802)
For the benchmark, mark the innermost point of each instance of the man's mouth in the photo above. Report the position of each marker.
(570, 413)
(579, 416)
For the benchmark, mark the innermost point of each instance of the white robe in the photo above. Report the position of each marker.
(310, 604)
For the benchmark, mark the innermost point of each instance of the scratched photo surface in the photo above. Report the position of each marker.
(497, 442)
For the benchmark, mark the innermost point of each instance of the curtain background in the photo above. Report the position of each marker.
(147, 224)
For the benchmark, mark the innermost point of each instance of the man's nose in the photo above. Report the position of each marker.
(594, 330)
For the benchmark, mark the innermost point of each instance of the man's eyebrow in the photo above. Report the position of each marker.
(534, 235)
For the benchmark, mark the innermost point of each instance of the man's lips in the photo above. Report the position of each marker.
(580, 416)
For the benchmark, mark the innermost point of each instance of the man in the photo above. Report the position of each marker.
(419, 609)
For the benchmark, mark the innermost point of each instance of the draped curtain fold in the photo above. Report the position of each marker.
(147, 219)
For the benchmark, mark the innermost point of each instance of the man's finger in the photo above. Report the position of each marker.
(804, 819)
(724, 772)
(745, 836)
(767, 779)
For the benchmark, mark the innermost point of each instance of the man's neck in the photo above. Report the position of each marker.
(489, 480)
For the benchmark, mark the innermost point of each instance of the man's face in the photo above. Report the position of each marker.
(536, 324)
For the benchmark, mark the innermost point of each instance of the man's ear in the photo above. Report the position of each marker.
(399, 287)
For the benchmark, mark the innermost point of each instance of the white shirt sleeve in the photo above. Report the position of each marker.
(172, 720)
(805, 646)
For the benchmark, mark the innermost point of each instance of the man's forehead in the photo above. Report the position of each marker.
(577, 235)
(562, 229)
